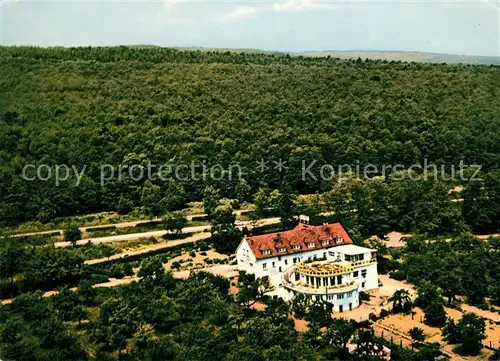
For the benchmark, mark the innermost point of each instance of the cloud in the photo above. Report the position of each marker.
(244, 12)
(302, 5)
(169, 4)
(239, 13)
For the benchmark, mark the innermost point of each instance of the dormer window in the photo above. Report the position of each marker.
(311, 245)
(325, 242)
(295, 247)
(266, 251)
(282, 249)
(340, 240)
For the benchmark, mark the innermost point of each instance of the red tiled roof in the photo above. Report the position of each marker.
(301, 235)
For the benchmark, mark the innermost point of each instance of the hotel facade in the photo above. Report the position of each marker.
(318, 261)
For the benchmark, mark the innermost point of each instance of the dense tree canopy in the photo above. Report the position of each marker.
(128, 107)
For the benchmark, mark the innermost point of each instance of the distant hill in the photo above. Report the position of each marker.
(407, 56)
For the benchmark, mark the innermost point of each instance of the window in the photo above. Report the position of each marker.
(274, 264)
(294, 260)
(311, 245)
(266, 251)
(280, 269)
(286, 262)
(341, 296)
(296, 247)
(355, 274)
(324, 243)
(264, 265)
(363, 273)
(282, 249)
(363, 285)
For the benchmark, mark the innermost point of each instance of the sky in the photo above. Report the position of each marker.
(464, 27)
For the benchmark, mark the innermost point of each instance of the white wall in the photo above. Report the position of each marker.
(245, 257)
(348, 300)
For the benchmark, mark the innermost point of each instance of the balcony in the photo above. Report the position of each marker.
(364, 262)
(324, 290)
(322, 269)
(308, 289)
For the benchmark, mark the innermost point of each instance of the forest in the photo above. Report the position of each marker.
(124, 106)
(193, 319)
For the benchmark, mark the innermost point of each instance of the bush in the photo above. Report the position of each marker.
(8, 289)
(417, 334)
(398, 275)
(128, 269)
(384, 313)
(204, 246)
(192, 254)
(483, 306)
(363, 296)
(72, 233)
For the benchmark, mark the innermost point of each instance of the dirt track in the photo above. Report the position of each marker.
(135, 236)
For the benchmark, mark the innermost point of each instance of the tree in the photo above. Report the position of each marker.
(450, 283)
(11, 257)
(429, 352)
(471, 333)
(151, 269)
(211, 197)
(299, 305)
(261, 201)
(417, 334)
(277, 310)
(450, 332)
(427, 294)
(222, 216)
(72, 233)
(481, 201)
(475, 277)
(338, 334)
(225, 235)
(286, 206)
(251, 289)
(124, 205)
(151, 197)
(175, 196)
(367, 347)
(243, 190)
(49, 267)
(319, 313)
(80, 313)
(435, 314)
(174, 221)
(401, 301)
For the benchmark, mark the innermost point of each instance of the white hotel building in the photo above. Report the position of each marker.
(318, 261)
